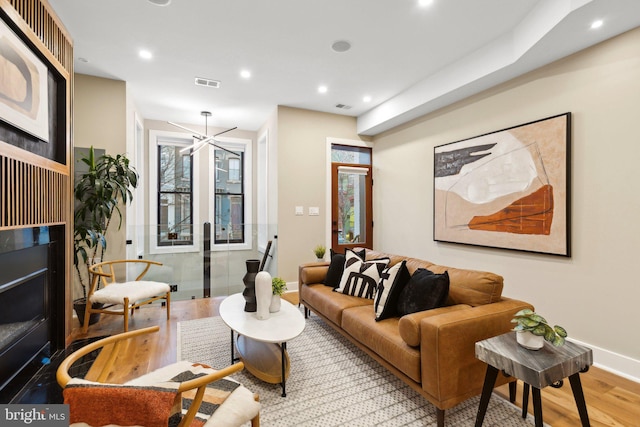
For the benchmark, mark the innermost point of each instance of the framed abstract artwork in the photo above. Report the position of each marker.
(506, 189)
(24, 99)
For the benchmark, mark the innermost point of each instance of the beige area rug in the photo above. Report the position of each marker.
(333, 383)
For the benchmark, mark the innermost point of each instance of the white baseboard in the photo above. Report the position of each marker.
(292, 286)
(615, 363)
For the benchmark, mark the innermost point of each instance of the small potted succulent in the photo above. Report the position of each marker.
(320, 250)
(532, 330)
(278, 286)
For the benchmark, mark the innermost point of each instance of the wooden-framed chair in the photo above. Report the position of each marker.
(152, 398)
(122, 298)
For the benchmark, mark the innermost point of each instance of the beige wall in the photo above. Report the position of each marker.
(595, 293)
(302, 141)
(100, 107)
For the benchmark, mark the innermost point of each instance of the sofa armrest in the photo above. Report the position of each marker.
(409, 324)
(450, 370)
(312, 273)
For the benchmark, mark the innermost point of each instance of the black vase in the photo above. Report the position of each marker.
(249, 279)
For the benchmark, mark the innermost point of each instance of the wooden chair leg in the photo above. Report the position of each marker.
(87, 315)
(126, 314)
(168, 305)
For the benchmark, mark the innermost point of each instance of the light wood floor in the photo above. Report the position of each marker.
(611, 400)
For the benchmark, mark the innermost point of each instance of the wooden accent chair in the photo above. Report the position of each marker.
(153, 398)
(120, 298)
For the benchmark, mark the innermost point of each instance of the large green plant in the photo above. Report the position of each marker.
(98, 193)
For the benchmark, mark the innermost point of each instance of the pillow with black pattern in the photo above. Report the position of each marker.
(392, 281)
(336, 267)
(425, 291)
(360, 278)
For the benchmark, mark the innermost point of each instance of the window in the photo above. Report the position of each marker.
(175, 221)
(231, 201)
(173, 206)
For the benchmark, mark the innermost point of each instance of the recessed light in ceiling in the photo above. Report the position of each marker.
(145, 54)
(84, 60)
(596, 24)
(322, 89)
(160, 2)
(245, 74)
(366, 98)
(341, 46)
(425, 3)
(343, 106)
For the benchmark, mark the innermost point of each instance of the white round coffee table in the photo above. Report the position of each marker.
(262, 344)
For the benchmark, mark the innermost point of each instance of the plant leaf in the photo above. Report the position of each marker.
(560, 331)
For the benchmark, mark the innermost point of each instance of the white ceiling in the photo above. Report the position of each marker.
(409, 60)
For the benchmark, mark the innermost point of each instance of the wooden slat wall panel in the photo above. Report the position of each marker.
(31, 195)
(38, 17)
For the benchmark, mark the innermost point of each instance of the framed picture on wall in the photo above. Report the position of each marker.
(506, 189)
(23, 86)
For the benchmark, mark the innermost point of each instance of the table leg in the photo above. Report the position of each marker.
(578, 395)
(233, 356)
(487, 389)
(537, 406)
(283, 349)
(525, 400)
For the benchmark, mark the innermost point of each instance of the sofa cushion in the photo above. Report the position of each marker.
(361, 278)
(470, 286)
(329, 303)
(336, 267)
(425, 291)
(382, 338)
(392, 282)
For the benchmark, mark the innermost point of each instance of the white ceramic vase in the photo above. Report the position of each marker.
(263, 294)
(530, 341)
(275, 304)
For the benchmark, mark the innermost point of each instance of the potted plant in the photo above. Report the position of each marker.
(278, 286)
(532, 330)
(320, 250)
(98, 193)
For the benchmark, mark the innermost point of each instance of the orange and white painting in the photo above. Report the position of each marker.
(23, 86)
(506, 189)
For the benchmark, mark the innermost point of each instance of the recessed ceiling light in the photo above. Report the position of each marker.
(596, 24)
(367, 98)
(245, 74)
(160, 2)
(341, 46)
(145, 54)
(322, 89)
(425, 3)
(85, 60)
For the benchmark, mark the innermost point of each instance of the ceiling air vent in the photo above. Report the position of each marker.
(201, 81)
(343, 106)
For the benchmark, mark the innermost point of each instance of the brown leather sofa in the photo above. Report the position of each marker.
(432, 351)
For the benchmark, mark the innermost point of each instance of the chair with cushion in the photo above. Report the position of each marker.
(120, 298)
(182, 394)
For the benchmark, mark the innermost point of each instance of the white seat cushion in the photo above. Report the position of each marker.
(135, 291)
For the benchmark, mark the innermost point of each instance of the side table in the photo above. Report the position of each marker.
(536, 368)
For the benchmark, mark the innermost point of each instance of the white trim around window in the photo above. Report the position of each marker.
(157, 137)
(234, 144)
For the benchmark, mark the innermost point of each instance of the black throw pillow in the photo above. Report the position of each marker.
(336, 267)
(425, 291)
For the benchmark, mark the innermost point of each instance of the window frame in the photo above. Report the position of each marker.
(157, 138)
(246, 146)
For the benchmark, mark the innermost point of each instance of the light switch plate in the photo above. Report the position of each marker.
(299, 210)
(314, 211)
